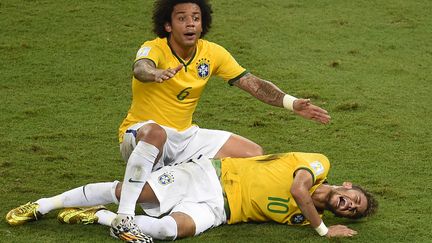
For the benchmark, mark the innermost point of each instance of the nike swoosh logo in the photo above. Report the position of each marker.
(134, 181)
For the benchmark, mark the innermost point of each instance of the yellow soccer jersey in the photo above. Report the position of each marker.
(258, 188)
(173, 102)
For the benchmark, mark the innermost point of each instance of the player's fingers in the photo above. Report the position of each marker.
(165, 77)
(322, 118)
(178, 68)
(319, 109)
(170, 73)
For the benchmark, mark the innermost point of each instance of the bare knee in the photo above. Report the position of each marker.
(153, 134)
(239, 147)
(185, 225)
(255, 150)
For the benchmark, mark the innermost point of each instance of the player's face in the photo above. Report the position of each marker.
(347, 203)
(185, 27)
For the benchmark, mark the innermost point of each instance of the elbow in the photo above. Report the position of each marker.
(299, 192)
(137, 74)
(295, 193)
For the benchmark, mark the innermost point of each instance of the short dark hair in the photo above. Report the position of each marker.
(372, 203)
(163, 9)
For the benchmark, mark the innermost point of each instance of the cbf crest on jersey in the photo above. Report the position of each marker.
(297, 218)
(166, 178)
(203, 68)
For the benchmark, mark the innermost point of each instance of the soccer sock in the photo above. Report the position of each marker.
(164, 228)
(84, 196)
(105, 217)
(138, 169)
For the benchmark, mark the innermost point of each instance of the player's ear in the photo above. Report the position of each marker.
(347, 185)
(168, 27)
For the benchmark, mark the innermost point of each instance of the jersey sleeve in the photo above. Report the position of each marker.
(317, 165)
(226, 66)
(149, 50)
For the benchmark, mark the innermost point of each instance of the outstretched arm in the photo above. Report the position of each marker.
(300, 192)
(269, 93)
(145, 71)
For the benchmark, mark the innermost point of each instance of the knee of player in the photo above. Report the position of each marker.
(168, 229)
(153, 134)
(256, 150)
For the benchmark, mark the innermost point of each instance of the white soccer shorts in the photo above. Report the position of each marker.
(191, 187)
(180, 146)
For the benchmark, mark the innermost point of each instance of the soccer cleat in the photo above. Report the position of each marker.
(125, 229)
(79, 215)
(23, 214)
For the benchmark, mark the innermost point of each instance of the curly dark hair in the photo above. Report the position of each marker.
(163, 9)
(372, 203)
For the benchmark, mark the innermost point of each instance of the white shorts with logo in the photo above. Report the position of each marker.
(180, 146)
(191, 187)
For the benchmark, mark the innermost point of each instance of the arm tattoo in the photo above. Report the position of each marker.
(263, 90)
(143, 70)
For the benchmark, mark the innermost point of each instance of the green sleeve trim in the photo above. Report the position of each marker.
(232, 81)
(308, 170)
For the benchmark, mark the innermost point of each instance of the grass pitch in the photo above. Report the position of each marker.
(65, 88)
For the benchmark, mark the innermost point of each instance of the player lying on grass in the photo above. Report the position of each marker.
(199, 194)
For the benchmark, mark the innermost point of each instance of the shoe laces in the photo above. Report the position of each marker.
(28, 207)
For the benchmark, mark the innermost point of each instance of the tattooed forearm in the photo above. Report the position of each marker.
(261, 89)
(143, 70)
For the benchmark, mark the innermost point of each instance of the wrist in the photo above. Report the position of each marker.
(288, 102)
(322, 229)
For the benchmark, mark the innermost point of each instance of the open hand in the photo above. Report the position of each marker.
(161, 75)
(304, 108)
(340, 231)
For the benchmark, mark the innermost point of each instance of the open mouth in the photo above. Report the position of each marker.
(342, 202)
(189, 34)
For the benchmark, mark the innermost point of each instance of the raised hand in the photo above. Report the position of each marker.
(161, 75)
(304, 108)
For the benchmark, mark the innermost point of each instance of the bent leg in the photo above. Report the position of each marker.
(164, 228)
(239, 147)
(151, 138)
(191, 219)
(147, 194)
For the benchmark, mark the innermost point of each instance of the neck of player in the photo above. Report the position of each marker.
(321, 196)
(184, 52)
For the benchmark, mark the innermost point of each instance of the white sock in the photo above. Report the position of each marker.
(164, 228)
(48, 204)
(105, 217)
(84, 196)
(138, 169)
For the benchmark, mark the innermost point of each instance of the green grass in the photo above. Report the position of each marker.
(65, 88)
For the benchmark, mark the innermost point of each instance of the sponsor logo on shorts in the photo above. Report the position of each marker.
(166, 178)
